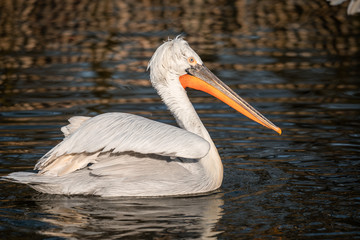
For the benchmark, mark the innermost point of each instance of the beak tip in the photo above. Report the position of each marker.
(278, 130)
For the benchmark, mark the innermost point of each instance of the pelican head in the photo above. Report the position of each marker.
(175, 66)
(172, 59)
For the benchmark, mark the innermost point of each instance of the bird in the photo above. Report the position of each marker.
(124, 155)
(353, 8)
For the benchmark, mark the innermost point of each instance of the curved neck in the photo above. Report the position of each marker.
(176, 99)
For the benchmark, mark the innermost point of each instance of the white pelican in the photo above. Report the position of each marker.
(353, 8)
(120, 154)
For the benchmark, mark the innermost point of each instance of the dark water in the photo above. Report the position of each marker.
(296, 61)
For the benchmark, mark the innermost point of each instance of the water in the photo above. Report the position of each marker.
(295, 61)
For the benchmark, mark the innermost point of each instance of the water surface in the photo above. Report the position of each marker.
(297, 62)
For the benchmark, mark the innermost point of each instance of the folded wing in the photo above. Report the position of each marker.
(86, 138)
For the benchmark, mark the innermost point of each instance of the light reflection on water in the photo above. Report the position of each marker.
(123, 218)
(297, 62)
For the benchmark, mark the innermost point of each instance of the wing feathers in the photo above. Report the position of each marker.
(119, 132)
(68, 163)
(75, 123)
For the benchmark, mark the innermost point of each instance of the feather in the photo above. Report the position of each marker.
(118, 133)
(75, 123)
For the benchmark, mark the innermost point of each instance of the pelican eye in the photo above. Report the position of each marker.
(191, 61)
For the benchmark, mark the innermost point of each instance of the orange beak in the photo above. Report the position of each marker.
(201, 78)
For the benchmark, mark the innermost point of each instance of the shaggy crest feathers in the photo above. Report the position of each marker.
(170, 59)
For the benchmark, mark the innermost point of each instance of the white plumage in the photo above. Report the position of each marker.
(353, 8)
(120, 154)
(117, 133)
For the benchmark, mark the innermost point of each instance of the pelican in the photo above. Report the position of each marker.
(120, 154)
(353, 8)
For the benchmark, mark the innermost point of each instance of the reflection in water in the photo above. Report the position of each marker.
(81, 218)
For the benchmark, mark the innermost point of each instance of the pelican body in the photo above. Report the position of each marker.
(120, 154)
